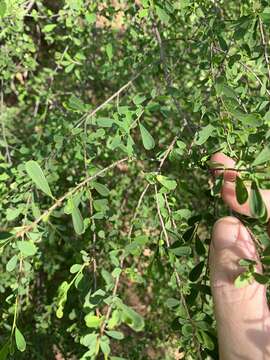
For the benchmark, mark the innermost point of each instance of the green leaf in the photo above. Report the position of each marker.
(166, 182)
(36, 174)
(104, 122)
(204, 134)
(109, 51)
(75, 268)
(4, 351)
(12, 214)
(105, 346)
(92, 321)
(241, 191)
(263, 157)
(27, 248)
(11, 264)
(171, 302)
(48, 28)
(247, 262)
(265, 16)
(249, 120)
(199, 246)
(187, 330)
(77, 219)
(4, 236)
(138, 99)
(101, 189)
(76, 104)
(90, 18)
(180, 250)
(196, 271)
(20, 341)
(206, 340)
(265, 260)
(132, 318)
(256, 203)
(3, 8)
(118, 335)
(224, 89)
(243, 280)
(89, 340)
(162, 14)
(260, 278)
(147, 139)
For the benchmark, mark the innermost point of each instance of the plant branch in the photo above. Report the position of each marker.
(177, 276)
(112, 97)
(264, 43)
(163, 60)
(3, 125)
(59, 201)
(248, 69)
(117, 280)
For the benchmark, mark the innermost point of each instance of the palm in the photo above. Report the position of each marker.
(242, 314)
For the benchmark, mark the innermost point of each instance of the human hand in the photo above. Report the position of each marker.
(242, 315)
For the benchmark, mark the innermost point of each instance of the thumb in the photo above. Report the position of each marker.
(242, 314)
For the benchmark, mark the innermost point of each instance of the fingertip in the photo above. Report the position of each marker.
(227, 162)
(221, 158)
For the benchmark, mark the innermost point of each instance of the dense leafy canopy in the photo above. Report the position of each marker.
(109, 113)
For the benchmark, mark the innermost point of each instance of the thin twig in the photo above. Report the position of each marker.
(248, 69)
(117, 280)
(170, 211)
(137, 210)
(177, 276)
(161, 219)
(264, 43)
(3, 125)
(58, 202)
(29, 6)
(167, 153)
(167, 76)
(113, 96)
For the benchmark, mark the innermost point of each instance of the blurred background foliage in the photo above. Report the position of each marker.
(117, 268)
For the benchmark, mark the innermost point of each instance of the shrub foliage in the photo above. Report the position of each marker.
(109, 113)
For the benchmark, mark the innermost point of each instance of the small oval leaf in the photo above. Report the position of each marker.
(11, 264)
(27, 248)
(101, 189)
(118, 335)
(196, 271)
(241, 191)
(20, 341)
(263, 157)
(256, 203)
(36, 174)
(243, 280)
(147, 138)
(77, 220)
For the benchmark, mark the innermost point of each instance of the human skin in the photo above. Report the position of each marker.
(242, 315)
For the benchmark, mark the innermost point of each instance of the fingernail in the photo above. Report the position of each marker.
(225, 232)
